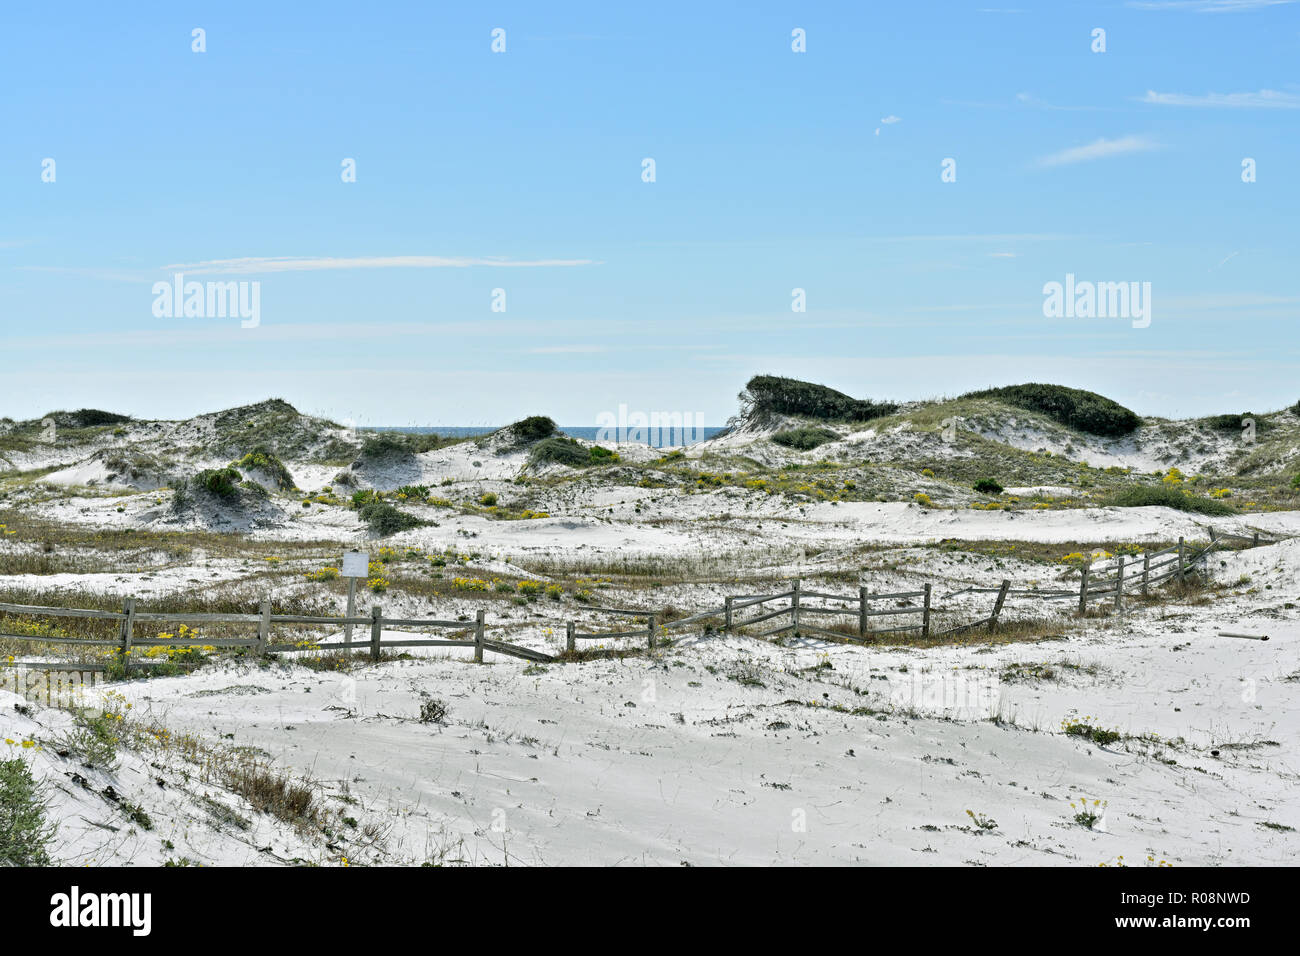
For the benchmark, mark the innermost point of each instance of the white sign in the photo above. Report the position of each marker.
(356, 564)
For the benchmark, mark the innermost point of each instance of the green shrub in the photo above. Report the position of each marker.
(1072, 407)
(1295, 482)
(24, 833)
(534, 428)
(262, 459)
(488, 500)
(1235, 423)
(987, 486)
(383, 519)
(384, 445)
(222, 482)
(790, 396)
(88, 418)
(568, 451)
(805, 438)
(380, 445)
(1141, 496)
(414, 491)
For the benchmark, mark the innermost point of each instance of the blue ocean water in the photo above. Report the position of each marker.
(655, 438)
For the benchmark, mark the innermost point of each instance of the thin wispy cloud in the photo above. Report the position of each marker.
(268, 264)
(1261, 100)
(567, 349)
(1208, 6)
(1100, 149)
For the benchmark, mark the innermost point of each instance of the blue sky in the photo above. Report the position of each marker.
(522, 171)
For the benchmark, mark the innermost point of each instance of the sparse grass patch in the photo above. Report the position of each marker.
(805, 438)
(1168, 496)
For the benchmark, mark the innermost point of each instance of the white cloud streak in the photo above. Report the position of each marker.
(1101, 149)
(1208, 6)
(268, 264)
(1261, 100)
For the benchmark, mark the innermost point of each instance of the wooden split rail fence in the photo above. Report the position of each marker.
(262, 641)
(1156, 568)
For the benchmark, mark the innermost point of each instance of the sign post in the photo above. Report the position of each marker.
(356, 564)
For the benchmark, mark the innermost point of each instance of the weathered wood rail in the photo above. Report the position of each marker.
(261, 641)
(1130, 573)
(1126, 576)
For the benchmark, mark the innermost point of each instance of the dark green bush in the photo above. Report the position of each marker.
(1072, 407)
(1141, 496)
(24, 833)
(1235, 423)
(383, 519)
(88, 418)
(385, 445)
(987, 486)
(534, 428)
(790, 396)
(804, 439)
(568, 451)
(222, 482)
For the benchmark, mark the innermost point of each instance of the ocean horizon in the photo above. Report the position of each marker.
(654, 437)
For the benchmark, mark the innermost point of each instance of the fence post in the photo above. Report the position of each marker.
(1146, 571)
(997, 608)
(1083, 591)
(376, 631)
(1181, 575)
(650, 630)
(862, 612)
(1254, 541)
(726, 619)
(1119, 585)
(264, 627)
(794, 606)
(569, 643)
(925, 614)
(128, 629)
(351, 612)
(478, 637)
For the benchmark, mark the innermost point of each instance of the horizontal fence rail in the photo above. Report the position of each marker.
(261, 641)
(1130, 573)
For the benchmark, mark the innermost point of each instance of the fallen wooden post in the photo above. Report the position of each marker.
(997, 608)
(1245, 637)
